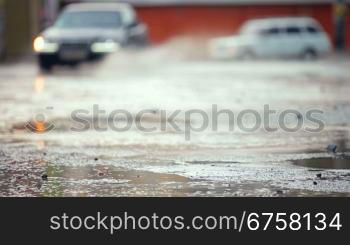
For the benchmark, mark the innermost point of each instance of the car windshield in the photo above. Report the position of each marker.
(251, 28)
(91, 19)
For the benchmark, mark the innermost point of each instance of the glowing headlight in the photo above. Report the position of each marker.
(41, 45)
(105, 47)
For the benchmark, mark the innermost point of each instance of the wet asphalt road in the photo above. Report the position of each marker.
(164, 162)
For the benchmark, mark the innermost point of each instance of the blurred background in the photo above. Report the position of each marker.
(22, 20)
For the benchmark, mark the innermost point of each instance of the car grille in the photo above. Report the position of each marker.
(73, 51)
(75, 46)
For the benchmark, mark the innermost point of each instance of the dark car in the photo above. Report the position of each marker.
(87, 31)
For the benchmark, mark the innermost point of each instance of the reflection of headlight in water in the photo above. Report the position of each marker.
(105, 47)
(41, 45)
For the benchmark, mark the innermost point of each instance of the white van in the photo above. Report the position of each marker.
(274, 37)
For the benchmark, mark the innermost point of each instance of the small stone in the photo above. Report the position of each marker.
(315, 183)
(44, 177)
(332, 148)
(96, 159)
(319, 176)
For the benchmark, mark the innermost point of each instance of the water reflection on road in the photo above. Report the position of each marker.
(164, 163)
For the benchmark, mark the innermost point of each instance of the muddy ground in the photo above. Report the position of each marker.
(60, 162)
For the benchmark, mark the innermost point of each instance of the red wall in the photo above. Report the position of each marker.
(167, 22)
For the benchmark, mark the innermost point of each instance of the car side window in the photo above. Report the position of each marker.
(271, 32)
(312, 30)
(293, 30)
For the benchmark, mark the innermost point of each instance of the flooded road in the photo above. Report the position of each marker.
(55, 160)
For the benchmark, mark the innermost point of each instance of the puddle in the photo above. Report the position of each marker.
(324, 163)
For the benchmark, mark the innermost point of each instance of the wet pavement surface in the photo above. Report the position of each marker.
(220, 162)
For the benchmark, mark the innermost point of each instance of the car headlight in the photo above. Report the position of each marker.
(41, 45)
(108, 46)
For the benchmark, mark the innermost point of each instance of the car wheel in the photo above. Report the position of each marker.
(45, 64)
(309, 54)
(247, 54)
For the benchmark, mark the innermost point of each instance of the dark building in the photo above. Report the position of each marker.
(19, 23)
